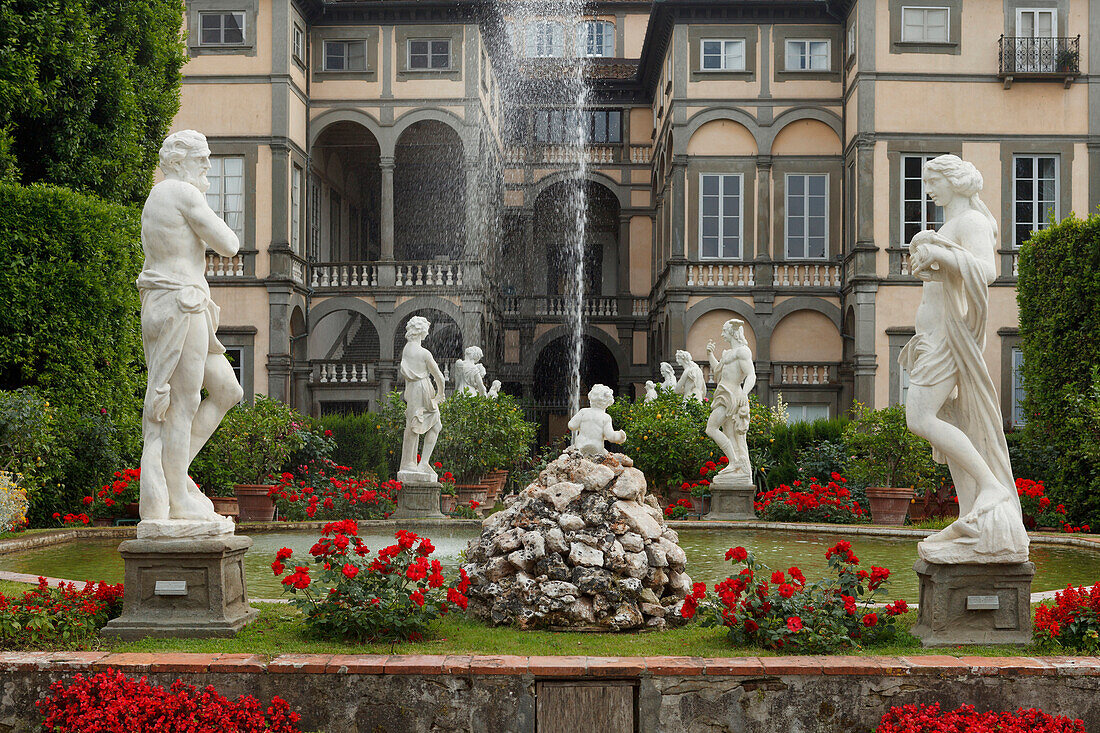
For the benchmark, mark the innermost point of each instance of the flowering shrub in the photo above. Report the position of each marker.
(72, 518)
(111, 702)
(466, 511)
(929, 719)
(396, 596)
(782, 611)
(13, 503)
(323, 490)
(679, 510)
(1073, 621)
(111, 499)
(47, 616)
(831, 502)
(1039, 510)
(707, 472)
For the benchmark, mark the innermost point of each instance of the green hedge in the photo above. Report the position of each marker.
(790, 440)
(71, 329)
(1059, 298)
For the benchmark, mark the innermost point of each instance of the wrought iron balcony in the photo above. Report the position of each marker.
(1039, 58)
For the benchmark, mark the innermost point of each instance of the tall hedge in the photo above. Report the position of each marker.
(1059, 298)
(70, 324)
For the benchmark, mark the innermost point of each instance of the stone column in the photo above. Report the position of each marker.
(763, 209)
(625, 300)
(678, 183)
(387, 166)
(475, 216)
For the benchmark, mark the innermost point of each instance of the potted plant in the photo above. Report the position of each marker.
(1066, 61)
(447, 495)
(115, 500)
(253, 442)
(700, 498)
(892, 462)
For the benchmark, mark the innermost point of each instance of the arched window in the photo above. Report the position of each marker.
(545, 39)
(596, 38)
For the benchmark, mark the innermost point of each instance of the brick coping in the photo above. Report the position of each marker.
(547, 666)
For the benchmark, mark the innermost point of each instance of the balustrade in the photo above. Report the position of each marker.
(428, 274)
(640, 154)
(343, 275)
(806, 276)
(342, 372)
(557, 307)
(804, 374)
(721, 276)
(218, 266)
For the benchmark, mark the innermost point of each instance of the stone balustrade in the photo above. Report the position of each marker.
(222, 267)
(341, 372)
(806, 275)
(593, 307)
(343, 275)
(820, 373)
(641, 154)
(721, 276)
(428, 274)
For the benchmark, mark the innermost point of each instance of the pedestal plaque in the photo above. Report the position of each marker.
(192, 588)
(974, 604)
(418, 501)
(732, 497)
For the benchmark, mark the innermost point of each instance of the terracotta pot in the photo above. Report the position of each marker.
(472, 492)
(447, 503)
(889, 505)
(227, 506)
(103, 521)
(700, 504)
(133, 510)
(495, 481)
(255, 504)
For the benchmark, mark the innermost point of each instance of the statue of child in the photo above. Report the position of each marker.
(591, 426)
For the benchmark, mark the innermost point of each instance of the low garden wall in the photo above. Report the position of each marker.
(504, 694)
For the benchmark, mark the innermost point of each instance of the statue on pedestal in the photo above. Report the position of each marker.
(668, 376)
(735, 376)
(418, 368)
(952, 401)
(591, 426)
(182, 353)
(469, 373)
(692, 383)
(650, 391)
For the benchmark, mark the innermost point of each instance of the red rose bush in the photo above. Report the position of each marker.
(1040, 511)
(966, 719)
(61, 616)
(394, 596)
(829, 502)
(1073, 622)
(777, 610)
(323, 490)
(111, 702)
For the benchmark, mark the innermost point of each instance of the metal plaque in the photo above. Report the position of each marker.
(170, 588)
(983, 603)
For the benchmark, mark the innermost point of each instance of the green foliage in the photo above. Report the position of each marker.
(885, 453)
(371, 442)
(88, 90)
(1059, 297)
(252, 442)
(482, 434)
(665, 437)
(812, 446)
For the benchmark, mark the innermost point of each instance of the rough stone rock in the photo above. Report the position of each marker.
(582, 554)
(583, 546)
(671, 535)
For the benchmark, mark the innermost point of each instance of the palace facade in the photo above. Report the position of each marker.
(750, 159)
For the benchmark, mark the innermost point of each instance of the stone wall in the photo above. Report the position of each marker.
(498, 694)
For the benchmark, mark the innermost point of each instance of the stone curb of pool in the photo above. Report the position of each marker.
(547, 666)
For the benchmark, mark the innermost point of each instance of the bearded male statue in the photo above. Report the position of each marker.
(182, 353)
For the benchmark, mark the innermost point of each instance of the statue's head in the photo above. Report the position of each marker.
(601, 396)
(734, 332)
(950, 174)
(683, 358)
(667, 370)
(473, 354)
(185, 156)
(417, 328)
(649, 385)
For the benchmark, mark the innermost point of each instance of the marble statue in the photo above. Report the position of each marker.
(469, 373)
(494, 389)
(735, 376)
(591, 426)
(668, 376)
(418, 368)
(691, 383)
(952, 401)
(182, 353)
(650, 390)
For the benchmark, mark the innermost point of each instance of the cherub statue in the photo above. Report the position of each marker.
(668, 376)
(692, 383)
(735, 375)
(469, 373)
(494, 389)
(591, 425)
(422, 399)
(650, 391)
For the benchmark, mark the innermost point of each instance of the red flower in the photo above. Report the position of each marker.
(897, 607)
(417, 597)
(794, 624)
(283, 553)
(786, 590)
(738, 554)
(350, 571)
(278, 568)
(778, 578)
(870, 620)
(328, 433)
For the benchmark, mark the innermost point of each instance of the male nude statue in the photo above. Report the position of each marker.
(422, 398)
(178, 324)
(735, 375)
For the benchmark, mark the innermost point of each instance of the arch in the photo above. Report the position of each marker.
(445, 341)
(699, 119)
(620, 191)
(348, 304)
(708, 327)
(743, 310)
(831, 119)
(318, 125)
(722, 137)
(450, 119)
(806, 136)
(557, 332)
(555, 227)
(429, 302)
(803, 302)
(806, 335)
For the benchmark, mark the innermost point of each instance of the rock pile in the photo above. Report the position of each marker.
(582, 547)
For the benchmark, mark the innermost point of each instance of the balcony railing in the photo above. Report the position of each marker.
(806, 276)
(611, 154)
(792, 374)
(1039, 58)
(557, 307)
(720, 276)
(330, 275)
(223, 267)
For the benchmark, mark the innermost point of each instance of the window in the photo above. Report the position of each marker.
(1035, 181)
(1035, 27)
(807, 213)
(808, 55)
(298, 43)
(345, 55)
(924, 25)
(314, 219)
(221, 29)
(564, 126)
(723, 55)
(720, 216)
(596, 38)
(296, 210)
(852, 40)
(430, 54)
(236, 360)
(1019, 419)
(904, 385)
(545, 39)
(226, 192)
(806, 412)
(917, 210)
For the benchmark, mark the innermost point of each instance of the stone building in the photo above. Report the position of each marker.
(757, 159)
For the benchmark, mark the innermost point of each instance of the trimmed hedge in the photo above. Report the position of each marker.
(791, 440)
(1059, 297)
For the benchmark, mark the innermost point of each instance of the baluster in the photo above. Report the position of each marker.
(721, 276)
(210, 265)
(374, 277)
(324, 374)
(439, 280)
(450, 276)
(691, 276)
(710, 276)
(238, 271)
(447, 372)
(314, 281)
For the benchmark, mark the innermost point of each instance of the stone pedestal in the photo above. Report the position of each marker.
(418, 501)
(974, 604)
(732, 497)
(192, 588)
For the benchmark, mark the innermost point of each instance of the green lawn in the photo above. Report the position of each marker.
(279, 630)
